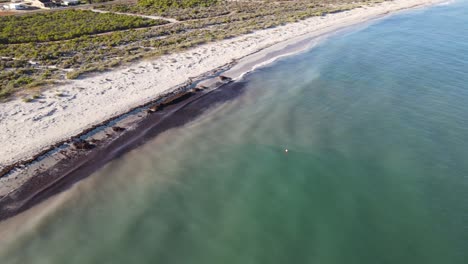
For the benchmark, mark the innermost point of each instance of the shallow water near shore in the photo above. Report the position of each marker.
(375, 121)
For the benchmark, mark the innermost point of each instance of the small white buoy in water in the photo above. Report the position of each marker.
(286, 150)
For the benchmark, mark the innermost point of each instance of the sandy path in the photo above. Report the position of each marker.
(28, 128)
(171, 20)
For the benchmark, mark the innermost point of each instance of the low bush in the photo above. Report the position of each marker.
(68, 24)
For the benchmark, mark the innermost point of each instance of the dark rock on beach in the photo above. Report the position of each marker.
(176, 98)
(153, 109)
(224, 78)
(118, 129)
(198, 89)
(94, 141)
(83, 145)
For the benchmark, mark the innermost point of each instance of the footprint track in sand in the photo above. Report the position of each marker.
(40, 117)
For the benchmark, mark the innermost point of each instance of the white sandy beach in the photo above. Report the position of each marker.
(28, 128)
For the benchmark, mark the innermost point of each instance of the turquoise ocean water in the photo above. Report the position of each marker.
(375, 120)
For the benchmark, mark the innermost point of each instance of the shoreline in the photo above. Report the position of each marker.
(63, 169)
(61, 164)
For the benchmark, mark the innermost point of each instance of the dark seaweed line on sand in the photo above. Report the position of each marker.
(83, 163)
(190, 83)
(169, 112)
(7, 169)
(11, 204)
(160, 99)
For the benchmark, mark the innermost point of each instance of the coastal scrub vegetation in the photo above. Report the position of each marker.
(28, 57)
(68, 24)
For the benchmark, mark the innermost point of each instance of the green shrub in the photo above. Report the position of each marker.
(67, 24)
(22, 81)
(73, 75)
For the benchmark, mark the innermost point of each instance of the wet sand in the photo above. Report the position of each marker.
(82, 163)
